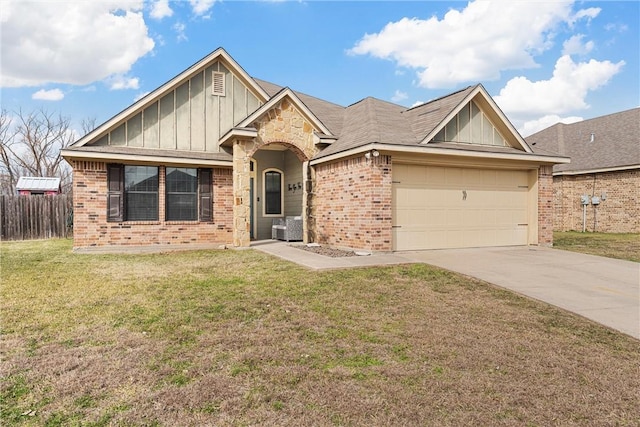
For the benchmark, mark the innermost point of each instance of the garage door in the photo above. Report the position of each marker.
(447, 207)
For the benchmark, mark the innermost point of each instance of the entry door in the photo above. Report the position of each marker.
(446, 207)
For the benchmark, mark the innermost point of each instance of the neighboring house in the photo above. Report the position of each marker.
(38, 186)
(600, 189)
(214, 156)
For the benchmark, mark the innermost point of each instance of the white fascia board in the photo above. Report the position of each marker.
(323, 139)
(158, 93)
(286, 92)
(601, 170)
(444, 152)
(134, 158)
(237, 133)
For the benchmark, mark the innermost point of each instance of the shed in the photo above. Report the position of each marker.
(37, 186)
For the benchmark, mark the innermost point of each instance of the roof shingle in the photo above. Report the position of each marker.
(615, 144)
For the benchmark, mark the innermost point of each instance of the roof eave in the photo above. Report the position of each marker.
(237, 132)
(141, 159)
(424, 149)
(598, 170)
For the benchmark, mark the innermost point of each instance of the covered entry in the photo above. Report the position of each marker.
(437, 207)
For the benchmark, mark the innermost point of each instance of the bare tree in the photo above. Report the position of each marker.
(31, 144)
(88, 124)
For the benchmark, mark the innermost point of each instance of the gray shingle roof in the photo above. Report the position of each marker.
(424, 118)
(372, 120)
(616, 142)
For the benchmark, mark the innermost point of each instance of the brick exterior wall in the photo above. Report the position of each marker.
(90, 226)
(545, 206)
(619, 213)
(351, 204)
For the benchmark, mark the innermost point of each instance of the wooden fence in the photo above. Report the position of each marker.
(35, 217)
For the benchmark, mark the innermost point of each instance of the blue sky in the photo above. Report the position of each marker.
(542, 61)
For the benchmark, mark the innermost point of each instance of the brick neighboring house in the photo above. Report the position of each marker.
(214, 156)
(605, 167)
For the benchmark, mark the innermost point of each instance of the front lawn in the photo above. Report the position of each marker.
(611, 245)
(240, 338)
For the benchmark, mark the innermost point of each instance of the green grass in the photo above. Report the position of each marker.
(612, 245)
(240, 338)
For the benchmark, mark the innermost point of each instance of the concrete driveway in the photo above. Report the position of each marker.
(601, 289)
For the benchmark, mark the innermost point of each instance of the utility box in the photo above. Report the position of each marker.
(595, 200)
(584, 199)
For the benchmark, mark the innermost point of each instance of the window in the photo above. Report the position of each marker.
(272, 192)
(133, 194)
(181, 194)
(141, 193)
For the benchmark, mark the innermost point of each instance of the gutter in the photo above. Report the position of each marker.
(551, 160)
(94, 156)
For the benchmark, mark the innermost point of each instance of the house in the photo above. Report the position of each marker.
(600, 189)
(215, 156)
(38, 186)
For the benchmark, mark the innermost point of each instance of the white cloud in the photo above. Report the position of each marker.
(161, 9)
(472, 44)
(140, 96)
(532, 126)
(200, 7)
(179, 28)
(120, 82)
(399, 96)
(564, 92)
(588, 13)
(48, 95)
(75, 42)
(575, 46)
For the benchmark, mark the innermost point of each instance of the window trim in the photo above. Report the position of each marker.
(167, 194)
(264, 193)
(116, 195)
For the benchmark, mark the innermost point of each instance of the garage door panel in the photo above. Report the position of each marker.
(439, 207)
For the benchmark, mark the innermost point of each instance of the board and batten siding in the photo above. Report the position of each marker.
(189, 117)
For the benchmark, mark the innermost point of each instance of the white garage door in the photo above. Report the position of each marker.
(447, 207)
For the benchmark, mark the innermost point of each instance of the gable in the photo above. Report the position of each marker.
(189, 113)
(471, 126)
(477, 120)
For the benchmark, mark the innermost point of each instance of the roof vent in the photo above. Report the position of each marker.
(593, 137)
(218, 83)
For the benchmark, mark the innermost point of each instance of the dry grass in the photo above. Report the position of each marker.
(239, 338)
(611, 245)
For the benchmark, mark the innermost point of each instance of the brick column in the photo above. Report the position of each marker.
(545, 206)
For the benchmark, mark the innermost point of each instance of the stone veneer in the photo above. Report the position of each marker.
(90, 226)
(282, 124)
(619, 213)
(545, 206)
(352, 203)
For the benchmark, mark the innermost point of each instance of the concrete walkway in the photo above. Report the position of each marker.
(601, 289)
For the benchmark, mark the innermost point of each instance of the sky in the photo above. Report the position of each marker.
(542, 61)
